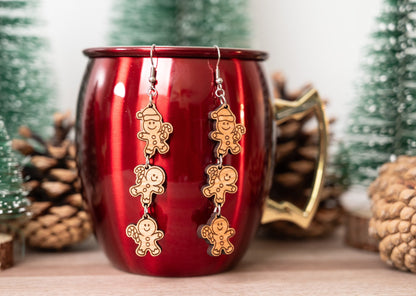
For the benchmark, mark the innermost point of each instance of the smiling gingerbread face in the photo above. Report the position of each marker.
(155, 176)
(147, 227)
(219, 225)
(151, 126)
(226, 126)
(228, 175)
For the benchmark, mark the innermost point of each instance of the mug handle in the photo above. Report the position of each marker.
(285, 210)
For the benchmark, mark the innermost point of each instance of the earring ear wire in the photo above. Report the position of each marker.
(221, 178)
(149, 177)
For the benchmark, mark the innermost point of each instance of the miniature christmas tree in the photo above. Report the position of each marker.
(382, 125)
(13, 202)
(145, 22)
(24, 80)
(222, 22)
(186, 22)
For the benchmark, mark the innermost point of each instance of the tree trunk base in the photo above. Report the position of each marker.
(6, 251)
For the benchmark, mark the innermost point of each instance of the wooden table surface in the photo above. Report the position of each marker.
(270, 267)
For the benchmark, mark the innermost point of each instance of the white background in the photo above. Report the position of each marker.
(319, 41)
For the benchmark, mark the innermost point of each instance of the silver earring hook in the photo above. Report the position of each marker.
(219, 92)
(219, 56)
(151, 54)
(152, 92)
(218, 79)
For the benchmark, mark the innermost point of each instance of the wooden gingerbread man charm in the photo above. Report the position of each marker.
(227, 132)
(155, 132)
(146, 235)
(148, 181)
(221, 179)
(217, 233)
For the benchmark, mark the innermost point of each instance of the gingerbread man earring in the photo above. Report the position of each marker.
(221, 178)
(149, 178)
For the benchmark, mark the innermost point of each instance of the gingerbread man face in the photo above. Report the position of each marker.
(228, 133)
(220, 181)
(217, 233)
(149, 181)
(155, 176)
(151, 125)
(146, 235)
(155, 132)
(220, 225)
(147, 227)
(228, 175)
(225, 126)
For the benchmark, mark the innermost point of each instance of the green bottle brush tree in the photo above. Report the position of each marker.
(184, 22)
(382, 124)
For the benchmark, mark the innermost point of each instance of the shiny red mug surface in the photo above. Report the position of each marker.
(113, 89)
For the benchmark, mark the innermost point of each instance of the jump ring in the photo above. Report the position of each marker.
(220, 92)
(146, 210)
(147, 161)
(217, 210)
(152, 93)
(219, 161)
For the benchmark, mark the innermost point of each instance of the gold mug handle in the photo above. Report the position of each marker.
(285, 210)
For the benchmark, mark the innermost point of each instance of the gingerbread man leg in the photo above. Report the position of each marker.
(146, 196)
(222, 149)
(163, 148)
(135, 190)
(207, 191)
(235, 148)
(228, 248)
(215, 250)
(140, 251)
(150, 149)
(156, 250)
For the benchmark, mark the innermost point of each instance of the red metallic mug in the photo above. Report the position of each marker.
(115, 87)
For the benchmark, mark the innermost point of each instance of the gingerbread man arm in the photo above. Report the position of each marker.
(158, 235)
(159, 189)
(206, 232)
(241, 129)
(131, 231)
(143, 135)
(206, 190)
(232, 188)
(215, 135)
(213, 173)
(230, 232)
(140, 172)
(134, 190)
(165, 130)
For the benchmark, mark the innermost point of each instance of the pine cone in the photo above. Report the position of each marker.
(59, 214)
(393, 196)
(296, 153)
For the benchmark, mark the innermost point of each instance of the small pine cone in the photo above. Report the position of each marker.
(58, 226)
(59, 216)
(393, 222)
(295, 161)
